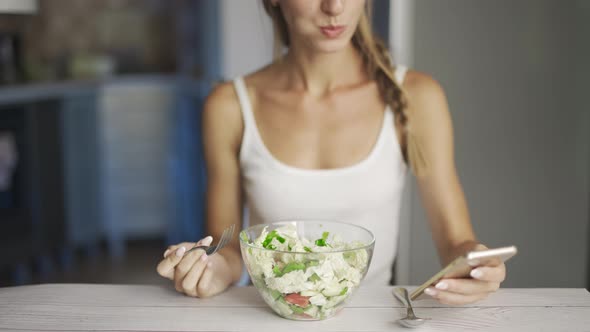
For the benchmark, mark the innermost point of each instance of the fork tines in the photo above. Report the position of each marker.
(225, 238)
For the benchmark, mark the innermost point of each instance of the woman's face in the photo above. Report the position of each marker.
(322, 25)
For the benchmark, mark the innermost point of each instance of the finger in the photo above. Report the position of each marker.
(450, 298)
(490, 262)
(206, 241)
(174, 247)
(486, 273)
(466, 286)
(184, 267)
(204, 284)
(166, 266)
(480, 247)
(187, 245)
(189, 283)
(187, 262)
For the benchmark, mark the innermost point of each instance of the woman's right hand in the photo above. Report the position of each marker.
(195, 274)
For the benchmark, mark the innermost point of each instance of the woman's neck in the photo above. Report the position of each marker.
(320, 73)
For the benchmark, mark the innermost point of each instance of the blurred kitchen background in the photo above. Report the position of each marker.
(100, 151)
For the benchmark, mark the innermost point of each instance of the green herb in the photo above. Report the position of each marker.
(277, 271)
(275, 294)
(272, 235)
(314, 277)
(312, 263)
(308, 249)
(244, 237)
(293, 266)
(296, 309)
(322, 242)
(269, 238)
(344, 290)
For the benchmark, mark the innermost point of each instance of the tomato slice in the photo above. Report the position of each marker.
(298, 300)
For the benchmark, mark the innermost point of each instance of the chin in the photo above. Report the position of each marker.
(331, 46)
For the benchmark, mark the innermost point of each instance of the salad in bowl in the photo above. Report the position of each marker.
(306, 270)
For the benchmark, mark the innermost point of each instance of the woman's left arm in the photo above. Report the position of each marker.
(442, 194)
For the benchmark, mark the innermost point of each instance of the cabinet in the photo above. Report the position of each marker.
(106, 162)
(135, 120)
(53, 205)
(81, 160)
(32, 226)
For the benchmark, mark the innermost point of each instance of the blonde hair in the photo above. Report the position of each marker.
(378, 65)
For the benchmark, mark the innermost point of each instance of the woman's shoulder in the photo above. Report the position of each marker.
(221, 115)
(427, 101)
(221, 99)
(225, 92)
(222, 107)
(423, 92)
(418, 84)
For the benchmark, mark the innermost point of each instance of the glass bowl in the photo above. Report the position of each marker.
(307, 270)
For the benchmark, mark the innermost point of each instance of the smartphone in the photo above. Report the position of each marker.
(462, 265)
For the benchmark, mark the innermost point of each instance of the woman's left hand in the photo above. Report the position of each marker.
(484, 280)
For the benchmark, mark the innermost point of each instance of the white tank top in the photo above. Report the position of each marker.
(367, 193)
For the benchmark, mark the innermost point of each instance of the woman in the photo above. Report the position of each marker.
(327, 131)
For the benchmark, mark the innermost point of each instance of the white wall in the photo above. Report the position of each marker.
(246, 37)
(510, 72)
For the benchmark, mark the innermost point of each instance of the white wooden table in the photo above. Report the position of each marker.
(83, 307)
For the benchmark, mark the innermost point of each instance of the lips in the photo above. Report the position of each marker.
(332, 31)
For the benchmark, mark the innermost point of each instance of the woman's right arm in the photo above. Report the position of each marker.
(195, 274)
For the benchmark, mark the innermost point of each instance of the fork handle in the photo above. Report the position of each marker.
(196, 247)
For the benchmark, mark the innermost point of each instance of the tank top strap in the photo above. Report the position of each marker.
(400, 74)
(388, 116)
(244, 100)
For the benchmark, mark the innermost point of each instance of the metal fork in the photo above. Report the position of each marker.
(223, 240)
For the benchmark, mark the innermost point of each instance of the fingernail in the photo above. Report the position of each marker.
(430, 291)
(207, 241)
(180, 251)
(203, 257)
(166, 253)
(442, 285)
(476, 273)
